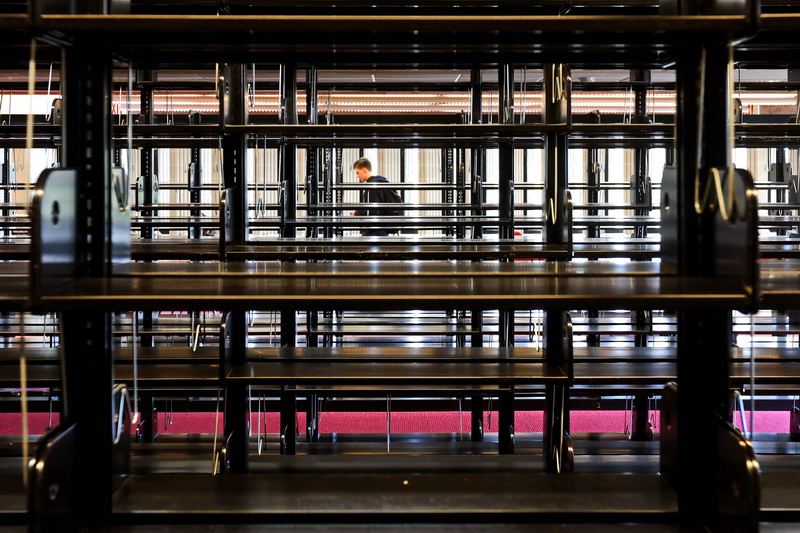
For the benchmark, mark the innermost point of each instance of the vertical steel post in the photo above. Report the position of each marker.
(593, 175)
(146, 188)
(505, 76)
(641, 185)
(288, 178)
(478, 170)
(478, 164)
(448, 177)
(237, 412)
(478, 153)
(702, 121)
(86, 359)
(288, 174)
(288, 150)
(195, 182)
(641, 195)
(338, 179)
(147, 161)
(5, 180)
(234, 149)
(327, 186)
(312, 193)
(556, 110)
(312, 153)
(461, 183)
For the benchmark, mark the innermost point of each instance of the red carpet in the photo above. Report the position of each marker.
(402, 422)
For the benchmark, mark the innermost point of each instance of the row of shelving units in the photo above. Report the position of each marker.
(598, 217)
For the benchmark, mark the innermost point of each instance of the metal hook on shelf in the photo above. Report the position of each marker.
(196, 339)
(653, 411)
(559, 80)
(540, 328)
(281, 94)
(49, 82)
(50, 410)
(218, 167)
(259, 441)
(739, 406)
(23, 383)
(44, 328)
(507, 112)
(627, 429)
(627, 114)
(214, 455)
(135, 349)
(217, 81)
(752, 377)
(728, 204)
(124, 401)
(121, 187)
(551, 215)
(460, 419)
(388, 422)
(531, 326)
(491, 99)
(119, 116)
(167, 414)
(252, 88)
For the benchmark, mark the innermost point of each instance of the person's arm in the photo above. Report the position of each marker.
(359, 212)
(363, 211)
(372, 197)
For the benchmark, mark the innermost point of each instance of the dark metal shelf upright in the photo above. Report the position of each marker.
(557, 109)
(234, 148)
(88, 368)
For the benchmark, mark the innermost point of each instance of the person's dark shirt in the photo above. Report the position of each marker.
(373, 195)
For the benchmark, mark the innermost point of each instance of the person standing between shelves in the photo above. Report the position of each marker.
(375, 195)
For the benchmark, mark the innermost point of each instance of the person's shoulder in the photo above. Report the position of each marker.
(378, 178)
